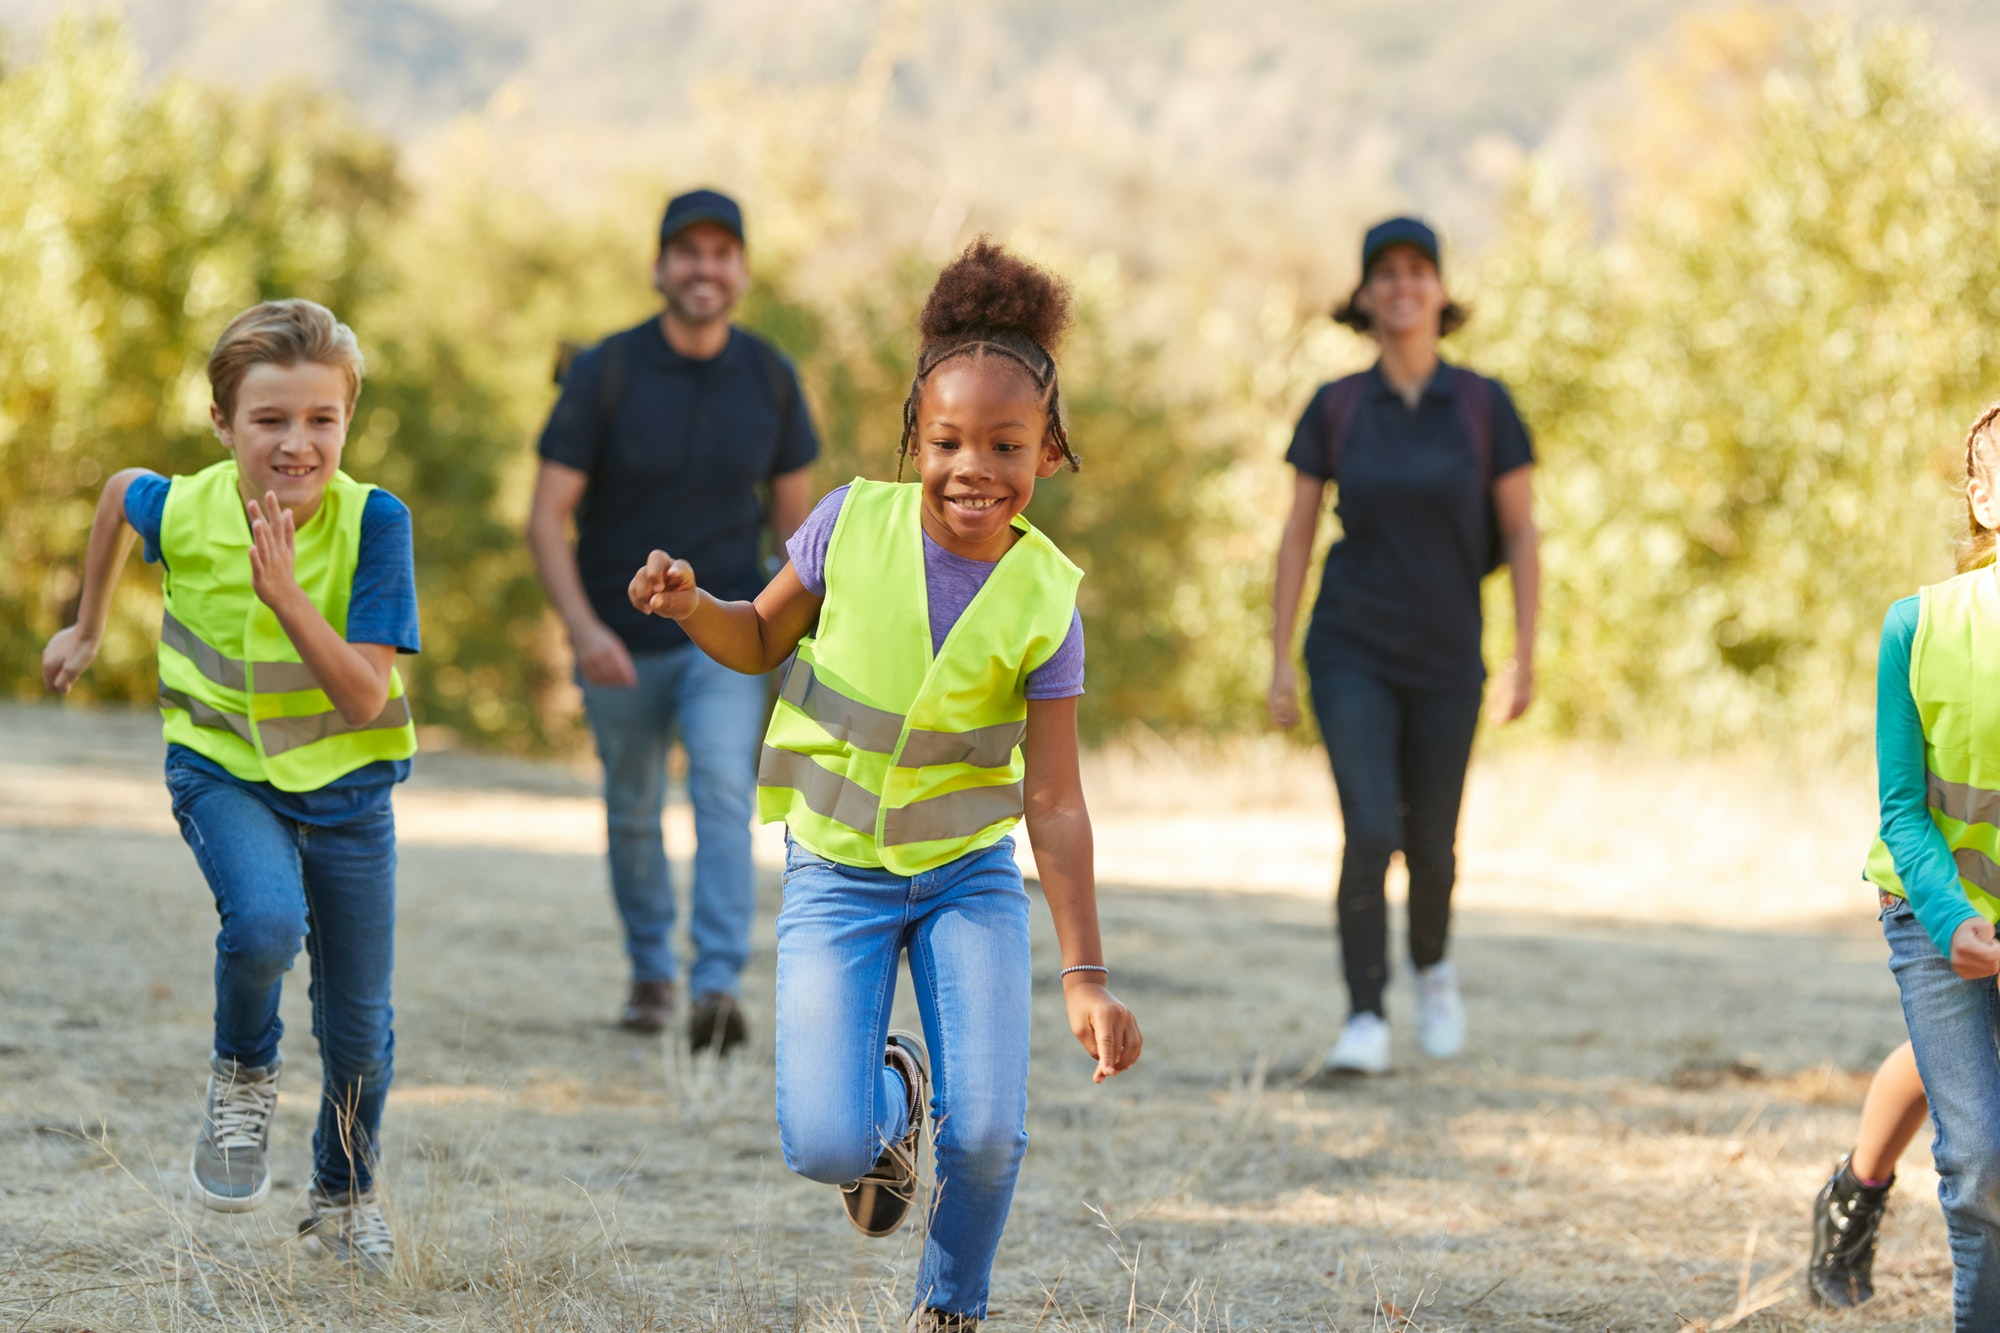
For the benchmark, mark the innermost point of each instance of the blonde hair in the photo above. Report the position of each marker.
(281, 333)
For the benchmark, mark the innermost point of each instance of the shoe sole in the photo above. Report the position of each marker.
(227, 1203)
(913, 1046)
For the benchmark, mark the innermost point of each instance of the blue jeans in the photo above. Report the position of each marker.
(1399, 758)
(965, 925)
(278, 882)
(1955, 1028)
(720, 716)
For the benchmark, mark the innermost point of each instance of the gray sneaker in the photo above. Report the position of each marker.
(348, 1230)
(228, 1163)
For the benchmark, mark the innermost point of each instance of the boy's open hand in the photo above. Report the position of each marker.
(664, 587)
(273, 553)
(67, 657)
(1104, 1026)
(1974, 951)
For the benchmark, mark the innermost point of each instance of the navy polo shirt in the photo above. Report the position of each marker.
(676, 450)
(1400, 593)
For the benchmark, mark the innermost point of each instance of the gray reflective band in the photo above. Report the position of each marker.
(860, 725)
(1978, 867)
(228, 672)
(958, 814)
(825, 792)
(202, 715)
(289, 733)
(283, 733)
(983, 747)
(869, 728)
(1963, 802)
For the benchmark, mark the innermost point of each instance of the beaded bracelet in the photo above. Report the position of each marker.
(1086, 967)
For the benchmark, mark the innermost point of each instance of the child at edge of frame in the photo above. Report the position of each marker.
(289, 589)
(931, 706)
(1937, 760)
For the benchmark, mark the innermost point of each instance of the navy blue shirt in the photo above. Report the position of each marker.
(1400, 593)
(676, 450)
(382, 609)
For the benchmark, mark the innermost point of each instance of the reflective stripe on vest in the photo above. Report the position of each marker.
(881, 752)
(1953, 684)
(232, 686)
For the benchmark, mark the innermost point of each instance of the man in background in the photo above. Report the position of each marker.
(672, 434)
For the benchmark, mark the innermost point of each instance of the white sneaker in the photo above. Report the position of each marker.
(1363, 1047)
(1440, 1011)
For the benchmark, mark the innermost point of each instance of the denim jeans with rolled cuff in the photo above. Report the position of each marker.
(965, 927)
(1955, 1030)
(280, 884)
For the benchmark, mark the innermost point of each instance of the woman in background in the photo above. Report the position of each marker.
(1433, 472)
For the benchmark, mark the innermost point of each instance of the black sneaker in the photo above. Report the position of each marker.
(878, 1202)
(1846, 1217)
(716, 1024)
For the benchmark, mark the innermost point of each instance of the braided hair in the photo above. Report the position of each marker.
(988, 302)
(1982, 460)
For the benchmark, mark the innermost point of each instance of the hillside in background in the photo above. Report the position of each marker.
(1294, 118)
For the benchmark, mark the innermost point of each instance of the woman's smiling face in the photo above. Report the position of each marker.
(982, 441)
(287, 432)
(1404, 294)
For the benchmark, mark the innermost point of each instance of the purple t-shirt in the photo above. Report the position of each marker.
(952, 581)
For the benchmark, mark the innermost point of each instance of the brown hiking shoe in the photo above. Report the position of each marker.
(716, 1024)
(649, 1007)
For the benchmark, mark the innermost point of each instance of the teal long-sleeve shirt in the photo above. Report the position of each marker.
(1923, 860)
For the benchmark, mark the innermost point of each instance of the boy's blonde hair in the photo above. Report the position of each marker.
(282, 333)
(1982, 460)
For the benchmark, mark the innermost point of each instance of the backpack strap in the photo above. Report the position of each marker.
(779, 381)
(1475, 412)
(1343, 404)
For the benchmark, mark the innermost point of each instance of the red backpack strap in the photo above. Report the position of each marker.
(1343, 404)
(1475, 410)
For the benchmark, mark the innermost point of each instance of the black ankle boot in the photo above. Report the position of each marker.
(1846, 1217)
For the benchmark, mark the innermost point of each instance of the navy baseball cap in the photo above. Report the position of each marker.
(684, 210)
(1398, 231)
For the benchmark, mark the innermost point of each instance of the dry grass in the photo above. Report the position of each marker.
(1654, 1091)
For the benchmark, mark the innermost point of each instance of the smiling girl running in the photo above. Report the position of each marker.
(932, 704)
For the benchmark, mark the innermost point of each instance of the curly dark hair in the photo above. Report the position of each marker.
(988, 302)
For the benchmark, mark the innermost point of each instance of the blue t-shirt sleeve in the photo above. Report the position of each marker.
(1923, 860)
(1308, 448)
(146, 509)
(383, 608)
(1061, 677)
(807, 547)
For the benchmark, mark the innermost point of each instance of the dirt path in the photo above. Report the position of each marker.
(1676, 994)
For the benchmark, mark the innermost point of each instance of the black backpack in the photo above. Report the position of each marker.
(1475, 414)
(611, 384)
(784, 390)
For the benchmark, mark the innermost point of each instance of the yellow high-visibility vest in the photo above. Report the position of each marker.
(232, 686)
(880, 754)
(1952, 661)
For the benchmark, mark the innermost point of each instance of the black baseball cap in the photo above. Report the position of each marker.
(1398, 231)
(684, 210)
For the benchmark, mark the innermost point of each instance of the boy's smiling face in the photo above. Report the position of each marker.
(982, 441)
(287, 433)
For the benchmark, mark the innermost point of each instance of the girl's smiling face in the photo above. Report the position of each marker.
(982, 441)
(287, 433)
